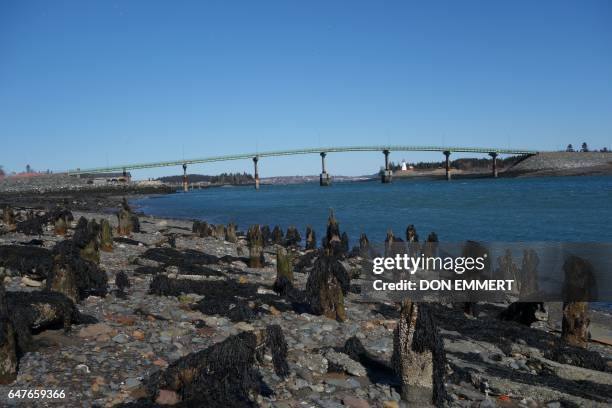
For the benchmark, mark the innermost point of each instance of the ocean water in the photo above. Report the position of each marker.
(560, 209)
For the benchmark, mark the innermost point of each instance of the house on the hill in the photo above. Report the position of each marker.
(107, 178)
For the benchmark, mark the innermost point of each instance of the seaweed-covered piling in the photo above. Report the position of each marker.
(266, 234)
(201, 229)
(220, 231)
(122, 282)
(61, 217)
(411, 234)
(128, 221)
(418, 356)
(27, 260)
(8, 218)
(224, 374)
(332, 242)
(430, 247)
(87, 239)
(230, 233)
(527, 280)
(73, 275)
(256, 244)
(344, 242)
(284, 268)
(390, 240)
(327, 284)
(292, 236)
(277, 235)
(579, 287)
(33, 312)
(8, 346)
(473, 249)
(311, 238)
(364, 245)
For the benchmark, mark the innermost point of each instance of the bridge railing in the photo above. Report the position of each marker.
(317, 150)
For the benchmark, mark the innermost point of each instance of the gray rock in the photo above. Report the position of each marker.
(347, 383)
(349, 365)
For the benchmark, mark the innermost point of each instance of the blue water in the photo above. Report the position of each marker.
(563, 209)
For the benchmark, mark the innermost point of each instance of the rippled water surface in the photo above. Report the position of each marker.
(577, 209)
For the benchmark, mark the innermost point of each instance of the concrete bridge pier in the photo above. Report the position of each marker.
(324, 179)
(185, 182)
(447, 164)
(387, 174)
(494, 164)
(256, 175)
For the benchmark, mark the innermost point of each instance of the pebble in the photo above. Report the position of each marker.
(121, 338)
(95, 330)
(354, 402)
(31, 282)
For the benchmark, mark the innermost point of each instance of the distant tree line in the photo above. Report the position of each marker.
(461, 164)
(223, 178)
(584, 148)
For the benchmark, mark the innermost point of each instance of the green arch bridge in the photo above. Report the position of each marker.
(325, 179)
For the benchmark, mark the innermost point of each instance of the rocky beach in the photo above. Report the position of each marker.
(190, 314)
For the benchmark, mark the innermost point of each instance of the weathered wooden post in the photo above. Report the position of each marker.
(430, 248)
(230, 233)
(311, 239)
(106, 235)
(332, 243)
(364, 245)
(326, 286)
(389, 240)
(284, 265)
(60, 226)
(277, 235)
(127, 221)
(255, 241)
(63, 278)
(529, 273)
(220, 231)
(122, 282)
(8, 218)
(578, 289)
(87, 239)
(292, 236)
(418, 356)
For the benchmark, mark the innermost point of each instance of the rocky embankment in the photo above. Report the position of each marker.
(150, 312)
(563, 164)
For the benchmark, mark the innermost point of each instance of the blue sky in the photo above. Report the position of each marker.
(84, 84)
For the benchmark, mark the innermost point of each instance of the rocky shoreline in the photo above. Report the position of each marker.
(149, 326)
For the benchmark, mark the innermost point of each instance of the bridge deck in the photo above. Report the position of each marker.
(317, 150)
